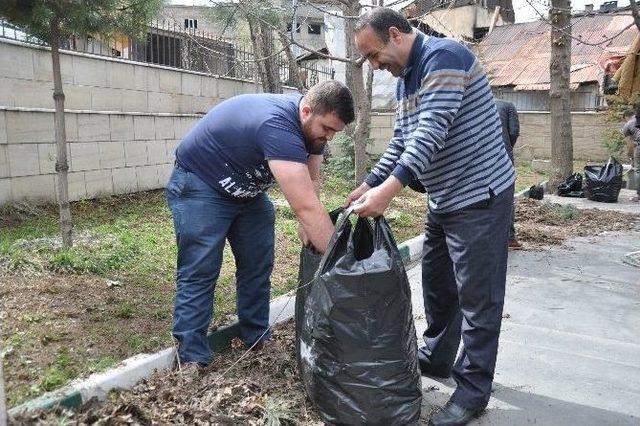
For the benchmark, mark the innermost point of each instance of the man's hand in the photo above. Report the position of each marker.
(374, 202)
(356, 194)
(297, 187)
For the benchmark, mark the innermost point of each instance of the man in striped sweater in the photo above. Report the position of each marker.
(447, 138)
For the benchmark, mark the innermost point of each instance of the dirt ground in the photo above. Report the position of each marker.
(539, 223)
(259, 388)
(56, 327)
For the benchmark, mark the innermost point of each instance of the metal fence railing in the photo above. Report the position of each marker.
(169, 44)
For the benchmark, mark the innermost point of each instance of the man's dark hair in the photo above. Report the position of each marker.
(331, 97)
(380, 20)
(628, 113)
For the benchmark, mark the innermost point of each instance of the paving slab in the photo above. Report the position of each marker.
(569, 348)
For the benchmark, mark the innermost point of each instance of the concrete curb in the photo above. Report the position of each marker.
(132, 370)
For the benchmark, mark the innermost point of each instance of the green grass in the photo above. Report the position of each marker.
(124, 239)
(60, 372)
(125, 310)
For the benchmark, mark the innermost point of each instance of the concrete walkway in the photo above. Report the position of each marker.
(569, 348)
(626, 202)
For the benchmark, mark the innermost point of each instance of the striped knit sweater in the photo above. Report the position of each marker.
(447, 131)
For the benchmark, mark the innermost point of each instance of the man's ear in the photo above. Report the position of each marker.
(395, 35)
(306, 111)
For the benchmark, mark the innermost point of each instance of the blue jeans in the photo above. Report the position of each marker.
(203, 219)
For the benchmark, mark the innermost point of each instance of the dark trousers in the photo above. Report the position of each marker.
(636, 165)
(464, 269)
(204, 219)
(512, 226)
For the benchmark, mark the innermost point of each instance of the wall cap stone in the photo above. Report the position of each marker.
(125, 61)
(89, 111)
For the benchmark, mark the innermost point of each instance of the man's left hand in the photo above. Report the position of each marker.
(374, 202)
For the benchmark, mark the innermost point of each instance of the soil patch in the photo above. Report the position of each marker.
(261, 388)
(63, 326)
(540, 223)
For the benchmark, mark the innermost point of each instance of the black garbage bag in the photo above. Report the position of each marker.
(536, 192)
(358, 349)
(571, 187)
(309, 262)
(603, 183)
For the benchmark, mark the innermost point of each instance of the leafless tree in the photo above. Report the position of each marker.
(560, 92)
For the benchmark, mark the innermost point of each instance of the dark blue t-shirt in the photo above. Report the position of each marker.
(230, 146)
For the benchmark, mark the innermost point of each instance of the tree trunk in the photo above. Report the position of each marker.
(257, 52)
(294, 70)
(560, 93)
(262, 42)
(272, 62)
(3, 400)
(62, 166)
(362, 103)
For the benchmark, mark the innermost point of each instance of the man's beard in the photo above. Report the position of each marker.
(316, 145)
(312, 145)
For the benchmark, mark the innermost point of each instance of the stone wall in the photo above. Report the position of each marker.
(109, 153)
(589, 131)
(94, 83)
(123, 121)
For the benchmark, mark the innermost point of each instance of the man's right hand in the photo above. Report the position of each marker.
(296, 185)
(356, 194)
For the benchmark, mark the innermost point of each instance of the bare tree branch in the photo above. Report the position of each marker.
(325, 56)
(543, 18)
(327, 11)
(344, 2)
(306, 48)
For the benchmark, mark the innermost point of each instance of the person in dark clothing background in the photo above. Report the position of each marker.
(510, 132)
(631, 131)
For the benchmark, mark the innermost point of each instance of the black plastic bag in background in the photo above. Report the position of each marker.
(603, 183)
(571, 187)
(358, 349)
(536, 192)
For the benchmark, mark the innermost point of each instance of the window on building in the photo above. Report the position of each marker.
(297, 27)
(315, 29)
(191, 23)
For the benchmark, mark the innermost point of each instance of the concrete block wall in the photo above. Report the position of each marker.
(108, 153)
(380, 131)
(104, 84)
(590, 129)
(123, 121)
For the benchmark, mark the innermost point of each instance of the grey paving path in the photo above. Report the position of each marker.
(626, 202)
(570, 344)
